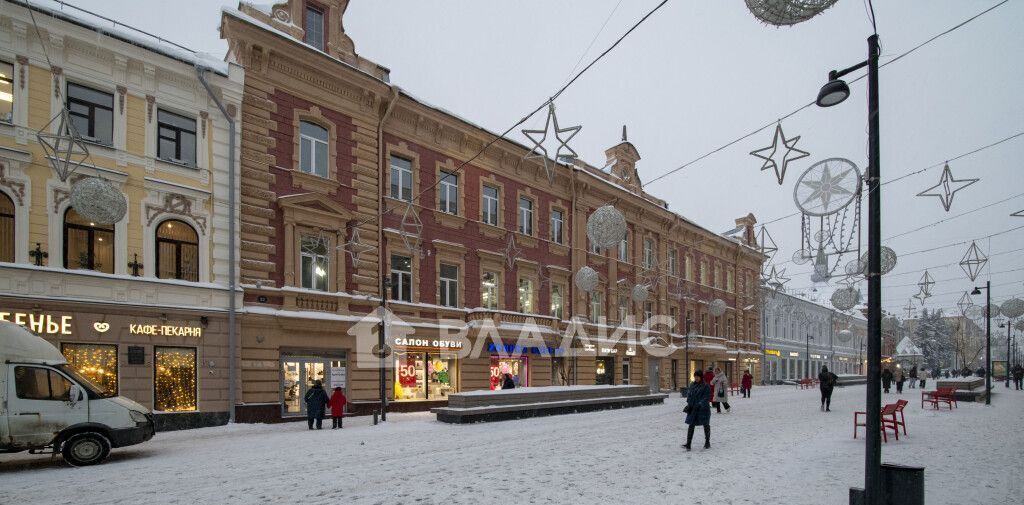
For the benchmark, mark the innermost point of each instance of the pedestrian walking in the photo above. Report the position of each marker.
(720, 390)
(826, 382)
(899, 383)
(886, 379)
(508, 382)
(1018, 377)
(747, 383)
(698, 413)
(709, 377)
(913, 378)
(316, 402)
(337, 405)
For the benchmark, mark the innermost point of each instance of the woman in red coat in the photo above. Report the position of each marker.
(337, 405)
(709, 375)
(748, 382)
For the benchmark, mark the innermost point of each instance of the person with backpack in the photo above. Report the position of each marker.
(337, 405)
(826, 382)
(316, 402)
(698, 412)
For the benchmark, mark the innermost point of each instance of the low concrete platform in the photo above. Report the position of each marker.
(968, 389)
(485, 406)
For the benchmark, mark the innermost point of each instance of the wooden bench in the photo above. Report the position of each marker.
(476, 406)
(889, 422)
(940, 395)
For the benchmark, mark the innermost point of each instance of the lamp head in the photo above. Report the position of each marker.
(977, 291)
(833, 92)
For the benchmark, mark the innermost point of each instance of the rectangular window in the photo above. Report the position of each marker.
(176, 135)
(526, 296)
(556, 226)
(489, 207)
(489, 290)
(623, 307)
(718, 277)
(703, 273)
(674, 314)
(593, 247)
(314, 27)
(401, 278)
(174, 383)
(449, 193)
(703, 324)
(6, 228)
(92, 113)
(730, 281)
(312, 149)
(96, 362)
(648, 310)
(596, 306)
(648, 253)
(556, 301)
(689, 321)
(449, 295)
(401, 179)
(689, 268)
(673, 263)
(6, 92)
(718, 329)
(314, 262)
(525, 216)
(425, 376)
(624, 248)
(35, 383)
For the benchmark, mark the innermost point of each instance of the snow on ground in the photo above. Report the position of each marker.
(775, 448)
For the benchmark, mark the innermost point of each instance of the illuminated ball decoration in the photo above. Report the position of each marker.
(586, 279)
(845, 298)
(606, 227)
(860, 266)
(844, 335)
(1012, 308)
(98, 200)
(717, 307)
(639, 293)
(787, 12)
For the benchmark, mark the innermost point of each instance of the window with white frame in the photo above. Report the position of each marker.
(689, 268)
(312, 148)
(449, 193)
(703, 273)
(557, 221)
(673, 262)
(622, 308)
(176, 135)
(314, 262)
(526, 296)
(648, 310)
(556, 301)
(648, 253)
(489, 290)
(489, 206)
(596, 306)
(624, 248)
(525, 216)
(401, 179)
(449, 294)
(401, 278)
(92, 113)
(314, 27)
(6, 92)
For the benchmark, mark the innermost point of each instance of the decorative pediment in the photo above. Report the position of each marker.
(314, 209)
(177, 205)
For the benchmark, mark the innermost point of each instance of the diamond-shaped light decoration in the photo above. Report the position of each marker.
(964, 303)
(512, 251)
(64, 149)
(973, 261)
(411, 229)
(355, 247)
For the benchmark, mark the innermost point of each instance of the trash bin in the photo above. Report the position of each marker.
(901, 485)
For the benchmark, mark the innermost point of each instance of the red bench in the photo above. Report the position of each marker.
(889, 422)
(733, 389)
(899, 410)
(806, 384)
(940, 395)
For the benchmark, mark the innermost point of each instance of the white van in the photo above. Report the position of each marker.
(46, 407)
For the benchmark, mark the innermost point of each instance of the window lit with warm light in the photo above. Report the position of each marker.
(314, 262)
(489, 290)
(87, 245)
(174, 383)
(6, 228)
(96, 362)
(177, 251)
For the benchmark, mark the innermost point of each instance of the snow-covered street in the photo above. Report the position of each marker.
(774, 448)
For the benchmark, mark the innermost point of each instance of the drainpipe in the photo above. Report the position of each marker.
(232, 253)
(381, 261)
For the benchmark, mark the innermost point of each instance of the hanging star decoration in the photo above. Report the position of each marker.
(964, 303)
(949, 186)
(767, 245)
(776, 280)
(1019, 213)
(355, 247)
(652, 275)
(828, 186)
(410, 230)
(539, 137)
(512, 251)
(910, 309)
(790, 153)
(925, 285)
(973, 261)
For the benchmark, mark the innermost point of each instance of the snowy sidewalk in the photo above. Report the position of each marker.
(774, 448)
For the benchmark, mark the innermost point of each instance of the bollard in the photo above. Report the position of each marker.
(902, 485)
(375, 414)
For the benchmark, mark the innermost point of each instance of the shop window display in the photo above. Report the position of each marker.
(175, 382)
(515, 366)
(425, 376)
(604, 371)
(96, 362)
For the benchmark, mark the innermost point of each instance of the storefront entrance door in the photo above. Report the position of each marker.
(297, 375)
(652, 373)
(604, 371)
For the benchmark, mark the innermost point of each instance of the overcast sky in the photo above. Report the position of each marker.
(698, 75)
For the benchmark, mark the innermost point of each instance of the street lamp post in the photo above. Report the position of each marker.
(832, 93)
(988, 338)
(1007, 324)
(385, 284)
(807, 357)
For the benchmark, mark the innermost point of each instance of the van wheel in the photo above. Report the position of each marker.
(84, 449)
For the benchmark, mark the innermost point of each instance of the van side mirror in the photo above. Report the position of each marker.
(76, 394)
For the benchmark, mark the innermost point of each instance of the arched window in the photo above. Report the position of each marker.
(177, 251)
(6, 228)
(87, 245)
(312, 148)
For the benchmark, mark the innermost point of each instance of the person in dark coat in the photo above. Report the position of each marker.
(966, 372)
(508, 382)
(1018, 377)
(337, 405)
(747, 383)
(913, 378)
(316, 402)
(698, 411)
(886, 379)
(900, 379)
(826, 382)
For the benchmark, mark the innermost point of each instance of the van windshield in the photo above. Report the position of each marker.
(92, 389)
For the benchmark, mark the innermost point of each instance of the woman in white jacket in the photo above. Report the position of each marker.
(720, 385)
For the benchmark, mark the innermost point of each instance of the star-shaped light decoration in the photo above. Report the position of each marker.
(767, 245)
(411, 229)
(512, 251)
(787, 149)
(65, 149)
(925, 285)
(539, 137)
(1019, 213)
(964, 303)
(776, 280)
(973, 261)
(911, 312)
(948, 187)
(651, 276)
(826, 187)
(355, 247)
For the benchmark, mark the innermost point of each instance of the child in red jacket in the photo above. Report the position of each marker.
(337, 405)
